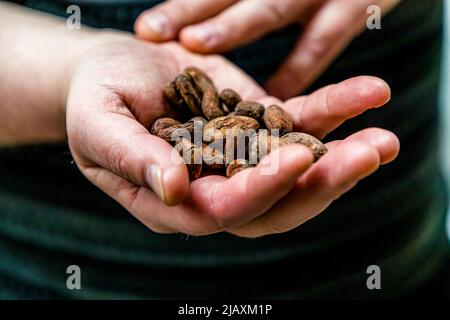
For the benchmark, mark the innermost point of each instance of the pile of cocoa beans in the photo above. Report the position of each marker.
(219, 132)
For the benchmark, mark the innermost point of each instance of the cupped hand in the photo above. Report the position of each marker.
(115, 95)
(214, 26)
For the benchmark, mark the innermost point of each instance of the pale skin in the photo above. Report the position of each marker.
(101, 90)
(211, 26)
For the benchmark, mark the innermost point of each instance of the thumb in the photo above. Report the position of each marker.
(121, 145)
(163, 22)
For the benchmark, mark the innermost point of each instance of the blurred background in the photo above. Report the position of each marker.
(445, 103)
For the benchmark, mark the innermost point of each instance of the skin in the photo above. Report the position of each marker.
(95, 92)
(207, 26)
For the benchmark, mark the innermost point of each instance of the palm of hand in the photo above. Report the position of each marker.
(115, 95)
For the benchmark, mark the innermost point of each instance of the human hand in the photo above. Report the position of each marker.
(214, 26)
(116, 93)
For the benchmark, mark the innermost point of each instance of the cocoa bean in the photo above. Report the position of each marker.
(317, 148)
(276, 118)
(230, 98)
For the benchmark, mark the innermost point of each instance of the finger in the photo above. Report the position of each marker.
(163, 22)
(253, 191)
(325, 37)
(241, 23)
(386, 142)
(326, 109)
(339, 170)
(117, 142)
(216, 202)
(335, 174)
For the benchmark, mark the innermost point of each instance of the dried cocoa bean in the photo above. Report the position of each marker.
(192, 156)
(174, 99)
(163, 123)
(213, 158)
(236, 166)
(230, 98)
(261, 145)
(317, 148)
(191, 96)
(217, 128)
(171, 134)
(211, 105)
(276, 118)
(250, 109)
(200, 79)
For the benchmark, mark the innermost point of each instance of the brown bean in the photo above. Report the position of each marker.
(211, 105)
(174, 99)
(171, 134)
(200, 79)
(236, 166)
(163, 123)
(276, 118)
(217, 128)
(213, 158)
(261, 145)
(317, 148)
(230, 98)
(192, 156)
(191, 96)
(251, 109)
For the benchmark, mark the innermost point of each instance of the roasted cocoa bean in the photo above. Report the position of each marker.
(230, 98)
(250, 109)
(217, 128)
(163, 123)
(175, 100)
(192, 156)
(317, 148)
(171, 134)
(213, 158)
(211, 105)
(200, 79)
(276, 118)
(261, 145)
(191, 96)
(236, 166)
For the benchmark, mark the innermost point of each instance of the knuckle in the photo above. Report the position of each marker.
(318, 46)
(117, 159)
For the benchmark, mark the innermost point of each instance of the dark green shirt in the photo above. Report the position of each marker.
(52, 217)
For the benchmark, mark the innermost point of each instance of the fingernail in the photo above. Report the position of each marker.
(208, 35)
(158, 24)
(154, 180)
